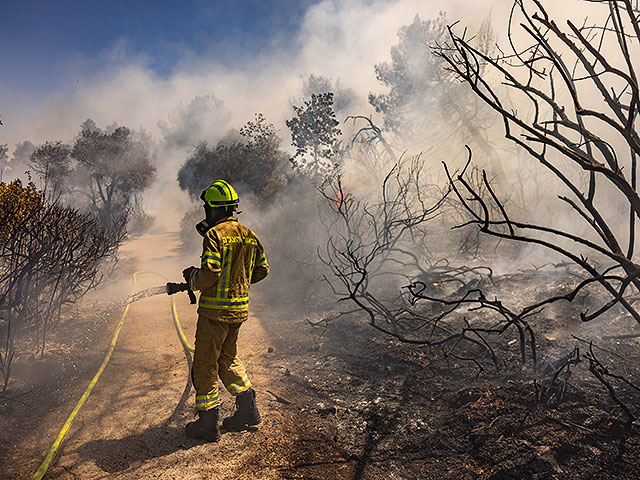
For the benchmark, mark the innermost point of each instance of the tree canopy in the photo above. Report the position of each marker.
(102, 173)
(314, 133)
(425, 102)
(250, 159)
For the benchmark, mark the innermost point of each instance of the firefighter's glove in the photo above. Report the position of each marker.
(186, 273)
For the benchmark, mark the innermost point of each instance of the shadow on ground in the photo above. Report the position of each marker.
(117, 455)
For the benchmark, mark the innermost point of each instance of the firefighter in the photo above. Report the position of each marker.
(232, 259)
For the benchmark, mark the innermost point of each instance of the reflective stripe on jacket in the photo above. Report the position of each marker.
(232, 259)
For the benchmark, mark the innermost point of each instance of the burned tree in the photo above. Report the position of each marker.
(371, 146)
(571, 103)
(363, 233)
(392, 255)
(579, 85)
(587, 150)
(50, 256)
(377, 244)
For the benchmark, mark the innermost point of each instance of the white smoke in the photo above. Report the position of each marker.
(336, 39)
(202, 97)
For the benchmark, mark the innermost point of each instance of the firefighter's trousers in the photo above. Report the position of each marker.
(216, 354)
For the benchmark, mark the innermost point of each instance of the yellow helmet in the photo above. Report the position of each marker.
(220, 194)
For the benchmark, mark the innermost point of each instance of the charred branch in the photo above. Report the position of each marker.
(602, 374)
(50, 256)
(554, 74)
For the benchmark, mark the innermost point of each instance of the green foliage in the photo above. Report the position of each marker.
(250, 160)
(413, 73)
(119, 168)
(314, 133)
(425, 101)
(344, 99)
(16, 203)
(103, 173)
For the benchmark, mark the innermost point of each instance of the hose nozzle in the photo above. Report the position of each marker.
(173, 288)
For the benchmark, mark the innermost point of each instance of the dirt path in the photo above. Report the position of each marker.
(132, 424)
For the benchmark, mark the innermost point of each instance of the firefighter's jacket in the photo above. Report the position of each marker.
(232, 259)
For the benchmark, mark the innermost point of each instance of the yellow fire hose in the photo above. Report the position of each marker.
(44, 466)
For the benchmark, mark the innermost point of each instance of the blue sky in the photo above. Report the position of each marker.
(41, 42)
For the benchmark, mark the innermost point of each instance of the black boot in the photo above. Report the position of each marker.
(246, 414)
(206, 427)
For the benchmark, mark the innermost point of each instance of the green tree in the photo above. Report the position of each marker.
(314, 133)
(250, 159)
(119, 168)
(426, 104)
(344, 99)
(103, 173)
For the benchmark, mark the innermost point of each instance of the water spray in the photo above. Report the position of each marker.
(168, 289)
